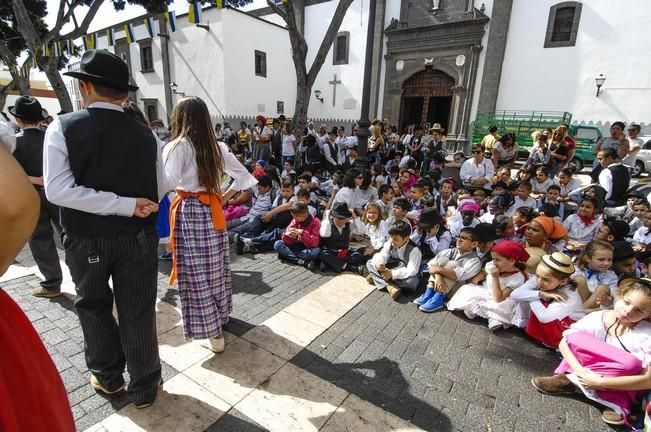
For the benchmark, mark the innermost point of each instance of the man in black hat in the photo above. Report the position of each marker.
(105, 170)
(29, 154)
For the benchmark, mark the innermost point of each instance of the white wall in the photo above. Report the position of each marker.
(488, 5)
(244, 91)
(317, 20)
(392, 11)
(612, 39)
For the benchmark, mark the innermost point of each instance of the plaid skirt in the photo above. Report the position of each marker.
(203, 268)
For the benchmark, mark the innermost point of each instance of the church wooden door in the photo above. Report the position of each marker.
(426, 99)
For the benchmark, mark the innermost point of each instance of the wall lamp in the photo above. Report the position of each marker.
(600, 80)
(317, 94)
(175, 89)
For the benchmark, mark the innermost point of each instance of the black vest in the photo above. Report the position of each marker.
(313, 154)
(621, 181)
(394, 260)
(337, 240)
(29, 151)
(111, 152)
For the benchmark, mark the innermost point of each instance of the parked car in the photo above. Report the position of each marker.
(643, 160)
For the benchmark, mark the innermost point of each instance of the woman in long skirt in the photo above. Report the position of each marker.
(195, 164)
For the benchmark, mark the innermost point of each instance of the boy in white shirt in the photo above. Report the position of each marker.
(522, 198)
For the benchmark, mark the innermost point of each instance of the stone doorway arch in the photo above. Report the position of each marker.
(427, 98)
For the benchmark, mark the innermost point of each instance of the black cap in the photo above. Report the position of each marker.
(486, 232)
(617, 228)
(105, 68)
(622, 250)
(429, 217)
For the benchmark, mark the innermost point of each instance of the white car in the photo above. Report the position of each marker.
(643, 159)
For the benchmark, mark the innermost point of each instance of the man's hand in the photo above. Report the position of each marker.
(144, 207)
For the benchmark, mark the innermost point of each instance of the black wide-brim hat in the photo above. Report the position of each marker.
(28, 108)
(105, 68)
(428, 218)
(340, 210)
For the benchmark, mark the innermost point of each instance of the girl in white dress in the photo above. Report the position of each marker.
(582, 226)
(595, 282)
(491, 299)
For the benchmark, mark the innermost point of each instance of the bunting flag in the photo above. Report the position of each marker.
(170, 17)
(149, 25)
(69, 46)
(110, 37)
(89, 41)
(57, 48)
(128, 32)
(46, 50)
(219, 4)
(194, 13)
(280, 1)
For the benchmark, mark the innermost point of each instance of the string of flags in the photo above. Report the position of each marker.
(89, 41)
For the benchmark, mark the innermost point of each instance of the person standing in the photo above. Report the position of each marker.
(195, 164)
(29, 154)
(261, 139)
(104, 169)
(277, 148)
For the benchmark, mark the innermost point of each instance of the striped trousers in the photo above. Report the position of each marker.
(132, 263)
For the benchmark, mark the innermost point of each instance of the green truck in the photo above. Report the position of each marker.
(523, 123)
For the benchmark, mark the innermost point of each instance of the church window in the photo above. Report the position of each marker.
(260, 63)
(563, 25)
(146, 56)
(340, 49)
(151, 108)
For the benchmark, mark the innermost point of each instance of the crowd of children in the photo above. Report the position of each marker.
(533, 251)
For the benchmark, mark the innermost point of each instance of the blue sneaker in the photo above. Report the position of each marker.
(428, 294)
(433, 304)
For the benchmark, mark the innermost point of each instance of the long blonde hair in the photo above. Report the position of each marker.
(191, 120)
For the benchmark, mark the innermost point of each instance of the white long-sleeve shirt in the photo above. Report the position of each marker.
(60, 184)
(413, 260)
(471, 171)
(357, 226)
(557, 310)
(182, 173)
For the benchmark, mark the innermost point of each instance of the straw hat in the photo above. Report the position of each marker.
(436, 127)
(560, 262)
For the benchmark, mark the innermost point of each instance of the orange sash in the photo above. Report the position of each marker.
(206, 198)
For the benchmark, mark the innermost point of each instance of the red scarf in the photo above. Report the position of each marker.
(587, 221)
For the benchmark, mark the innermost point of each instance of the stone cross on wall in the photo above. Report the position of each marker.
(334, 83)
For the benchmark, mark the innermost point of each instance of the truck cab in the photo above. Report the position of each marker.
(586, 138)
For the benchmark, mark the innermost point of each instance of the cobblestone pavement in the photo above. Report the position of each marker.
(436, 372)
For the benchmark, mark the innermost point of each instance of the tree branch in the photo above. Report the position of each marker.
(279, 11)
(329, 37)
(88, 18)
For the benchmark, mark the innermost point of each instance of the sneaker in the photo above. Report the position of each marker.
(370, 280)
(612, 418)
(428, 294)
(554, 385)
(167, 256)
(494, 324)
(433, 304)
(361, 269)
(311, 266)
(98, 386)
(301, 262)
(42, 292)
(148, 400)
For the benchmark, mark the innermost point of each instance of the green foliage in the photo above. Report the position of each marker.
(8, 32)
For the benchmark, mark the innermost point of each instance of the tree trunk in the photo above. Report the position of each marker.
(299, 121)
(20, 82)
(4, 92)
(58, 85)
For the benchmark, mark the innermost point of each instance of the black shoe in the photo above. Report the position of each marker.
(311, 265)
(361, 269)
(239, 244)
(323, 267)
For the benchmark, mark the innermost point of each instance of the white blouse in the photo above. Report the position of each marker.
(578, 231)
(182, 173)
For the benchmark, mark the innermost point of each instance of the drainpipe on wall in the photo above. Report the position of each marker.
(165, 56)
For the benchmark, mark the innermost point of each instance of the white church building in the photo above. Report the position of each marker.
(433, 61)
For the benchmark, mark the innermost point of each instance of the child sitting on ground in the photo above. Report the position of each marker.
(336, 231)
(606, 354)
(375, 228)
(304, 196)
(300, 241)
(491, 299)
(466, 217)
(548, 303)
(522, 198)
(251, 224)
(430, 234)
(396, 266)
(399, 211)
(595, 282)
(582, 226)
(449, 269)
(385, 202)
(642, 236)
(552, 198)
